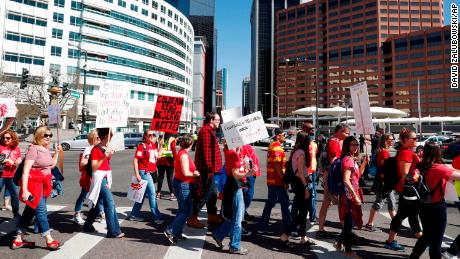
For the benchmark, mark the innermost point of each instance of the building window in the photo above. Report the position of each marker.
(75, 20)
(55, 68)
(154, 5)
(154, 16)
(73, 53)
(56, 51)
(122, 3)
(146, 2)
(57, 33)
(170, 13)
(134, 8)
(109, 1)
(163, 9)
(58, 17)
(145, 12)
(33, 3)
(74, 36)
(132, 94)
(76, 6)
(140, 96)
(151, 97)
(59, 3)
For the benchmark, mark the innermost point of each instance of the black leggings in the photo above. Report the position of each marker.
(169, 171)
(434, 219)
(299, 215)
(406, 209)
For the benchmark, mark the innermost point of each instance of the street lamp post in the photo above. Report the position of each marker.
(346, 103)
(277, 106)
(83, 103)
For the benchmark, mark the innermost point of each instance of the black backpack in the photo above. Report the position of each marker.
(390, 174)
(89, 166)
(417, 189)
(289, 174)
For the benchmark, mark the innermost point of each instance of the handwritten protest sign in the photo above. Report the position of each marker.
(117, 142)
(113, 106)
(231, 114)
(245, 130)
(54, 114)
(166, 117)
(7, 108)
(362, 109)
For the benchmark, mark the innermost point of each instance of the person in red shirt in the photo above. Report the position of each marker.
(166, 164)
(11, 158)
(334, 150)
(251, 160)
(184, 177)
(406, 162)
(277, 189)
(383, 153)
(144, 164)
(433, 215)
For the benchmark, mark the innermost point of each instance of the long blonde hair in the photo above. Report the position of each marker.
(92, 137)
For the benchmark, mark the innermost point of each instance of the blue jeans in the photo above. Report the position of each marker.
(183, 194)
(82, 198)
(113, 226)
(234, 226)
(13, 192)
(150, 193)
(275, 194)
(248, 192)
(312, 199)
(41, 218)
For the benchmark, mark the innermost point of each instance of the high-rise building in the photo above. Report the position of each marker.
(327, 46)
(199, 61)
(201, 14)
(146, 47)
(221, 89)
(245, 95)
(262, 54)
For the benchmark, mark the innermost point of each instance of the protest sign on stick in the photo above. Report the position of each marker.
(362, 109)
(113, 106)
(54, 114)
(7, 108)
(166, 117)
(245, 130)
(231, 114)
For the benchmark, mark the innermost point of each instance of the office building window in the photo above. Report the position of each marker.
(57, 33)
(74, 36)
(122, 3)
(58, 17)
(140, 96)
(145, 12)
(55, 67)
(151, 97)
(75, 20)
(155, 5)
(146, 2)
(134, 8)
(56, 51)
(59, 3)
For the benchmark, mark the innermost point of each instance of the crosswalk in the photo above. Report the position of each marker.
(144, 239)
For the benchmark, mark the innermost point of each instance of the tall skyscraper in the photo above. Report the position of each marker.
(245, 95)
(262, 54)
(221, 87)
(201, 14)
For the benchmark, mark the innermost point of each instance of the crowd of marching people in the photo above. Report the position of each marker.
(417, 179)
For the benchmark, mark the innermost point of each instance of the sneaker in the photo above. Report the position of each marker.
(172, 197)
(133, 218)
(371, 228)
(323, 234)
(218, 242)
(159, 221)
(241, 251)
(101, 218)
(393, 245)
(245, 232)
(78, 219)
(170, 237)
(447, 255)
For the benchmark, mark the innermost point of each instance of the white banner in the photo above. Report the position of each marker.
(231, 114)
(245, 130)
(362, 109)
(117, 142)
(113, 105)
(136, 190)
(54, 114)
(7, 108)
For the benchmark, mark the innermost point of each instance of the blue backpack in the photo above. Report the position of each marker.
(335, 178)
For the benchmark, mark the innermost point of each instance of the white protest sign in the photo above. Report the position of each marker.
(136, 190)
(245, 130)
(231, 114)
(7, 108)
(362, 109)
(54, 114)
(117, 142)
(112, 106)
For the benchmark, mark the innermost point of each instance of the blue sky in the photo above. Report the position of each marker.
(234, 43)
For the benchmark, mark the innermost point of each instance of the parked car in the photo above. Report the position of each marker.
(132, 139)
(80, 142)
(289, 143)
(450, 151)
(437, 139)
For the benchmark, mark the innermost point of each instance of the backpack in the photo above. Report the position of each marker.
(335, 178)
(18, 173)
(416, 189)
(391, 177)
(289, 174)
(89, 166)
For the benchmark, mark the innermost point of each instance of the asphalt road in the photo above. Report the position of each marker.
(145, 239)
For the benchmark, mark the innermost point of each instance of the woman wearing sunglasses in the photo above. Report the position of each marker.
(12, 157)
(36, 186)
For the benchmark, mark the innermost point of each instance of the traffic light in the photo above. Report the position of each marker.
(24, 78)
(65, 89)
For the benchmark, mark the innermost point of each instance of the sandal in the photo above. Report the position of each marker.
(23, 243)
(53, 246)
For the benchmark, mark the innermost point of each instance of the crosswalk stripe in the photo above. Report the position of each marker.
(81, 243)
(323, 249)
(193, 247)
(10, 225)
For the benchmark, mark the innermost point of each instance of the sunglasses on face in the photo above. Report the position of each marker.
(48, 135)
(6, 138)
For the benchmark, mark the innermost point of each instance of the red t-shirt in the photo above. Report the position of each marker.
(438, 172)
(14, 154)
(248, 153)
(456, 162)
(334, 149)
(233, 160)
(382, 156)
(147, 158)
(96, 155)
(178, 173)
(409, 156)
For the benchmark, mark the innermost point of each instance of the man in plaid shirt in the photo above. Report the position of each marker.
(208, 161)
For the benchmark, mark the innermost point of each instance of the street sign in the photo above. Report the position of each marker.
(75, 95)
